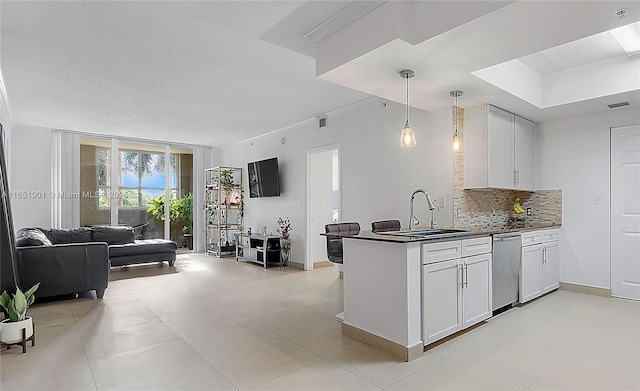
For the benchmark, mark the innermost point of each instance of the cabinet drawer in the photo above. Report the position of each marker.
(533, 237)
(476, 246)
(550, 235)
(442, 251)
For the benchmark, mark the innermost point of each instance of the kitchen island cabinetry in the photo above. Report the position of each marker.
(456, 291)
(540, 264)
(499, 149)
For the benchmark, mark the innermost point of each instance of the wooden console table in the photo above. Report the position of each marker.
(258, 248)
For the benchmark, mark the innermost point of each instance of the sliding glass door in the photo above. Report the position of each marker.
(132, 186)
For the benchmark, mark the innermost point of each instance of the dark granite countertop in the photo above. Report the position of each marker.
(491, 231)
(382, 237)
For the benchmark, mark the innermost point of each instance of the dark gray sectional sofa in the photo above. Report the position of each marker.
(75, 260)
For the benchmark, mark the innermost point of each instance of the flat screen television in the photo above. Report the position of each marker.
(264, 178)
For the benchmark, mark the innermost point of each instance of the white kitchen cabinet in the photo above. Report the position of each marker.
(441, 300)
(540, 264)
(550, 266)
(530, 273)
(456, 291)
(498, 149)
(476, 288)
(523, 154)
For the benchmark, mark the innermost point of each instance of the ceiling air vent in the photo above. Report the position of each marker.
(616, 105)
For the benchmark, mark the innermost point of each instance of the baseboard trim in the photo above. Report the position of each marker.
(295, 265)
(590, 290)
(322, 264)
(403, 352)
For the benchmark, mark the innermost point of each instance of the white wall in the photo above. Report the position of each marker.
(573, 154)
(377, 175)
(30, 169)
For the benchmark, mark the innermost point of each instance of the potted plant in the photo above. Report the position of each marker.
(184, 206)
(285, 243)
(156, 208)
(226, 181)
(16, 309)
(180, 208)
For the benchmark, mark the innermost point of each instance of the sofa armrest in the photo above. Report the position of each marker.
(64, 268)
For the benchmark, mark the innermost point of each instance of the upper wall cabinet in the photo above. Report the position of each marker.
(498, 149)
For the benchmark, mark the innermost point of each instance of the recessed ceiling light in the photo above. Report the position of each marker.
(628, 37)
(621, 13)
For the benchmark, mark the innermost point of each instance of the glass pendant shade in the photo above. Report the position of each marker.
(455, 145)
(407, 139)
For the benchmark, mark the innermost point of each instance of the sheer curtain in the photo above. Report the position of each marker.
(201, 161)
(65, 196)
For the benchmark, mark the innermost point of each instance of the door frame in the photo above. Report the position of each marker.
(308, 262)
(611, 214)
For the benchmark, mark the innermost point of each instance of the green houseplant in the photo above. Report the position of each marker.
(226, 180)
(184, 206)
(16, 308)
(180, 208)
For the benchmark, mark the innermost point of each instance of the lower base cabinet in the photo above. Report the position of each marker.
(456, 292)
(441, 300)
(540, 264)
(476, 290)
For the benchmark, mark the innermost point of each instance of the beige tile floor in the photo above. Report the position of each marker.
(215, 324)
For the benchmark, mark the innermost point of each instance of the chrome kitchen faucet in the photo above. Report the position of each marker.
(413, 220)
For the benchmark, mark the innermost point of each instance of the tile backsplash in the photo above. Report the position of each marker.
(493, 209)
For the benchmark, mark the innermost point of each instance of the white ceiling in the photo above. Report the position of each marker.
(219, 72)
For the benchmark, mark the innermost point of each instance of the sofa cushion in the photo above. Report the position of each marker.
(147, 246)
(71, 235)
(27, 237)
(112, 235)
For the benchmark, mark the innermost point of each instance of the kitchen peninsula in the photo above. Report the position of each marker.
(396, 300)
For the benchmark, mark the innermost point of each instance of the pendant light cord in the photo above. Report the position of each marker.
(407, 99)
(456, 132)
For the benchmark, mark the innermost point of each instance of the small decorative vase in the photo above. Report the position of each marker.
(285, 250)
(11, 332)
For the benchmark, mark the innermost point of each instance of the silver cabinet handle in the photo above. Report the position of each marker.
(514, 178)
(466, 277)
(517, 177)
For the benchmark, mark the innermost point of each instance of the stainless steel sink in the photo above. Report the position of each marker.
(429, 233)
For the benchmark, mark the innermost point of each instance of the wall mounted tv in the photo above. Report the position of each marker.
(264, 178)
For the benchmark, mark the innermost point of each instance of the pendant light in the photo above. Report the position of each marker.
(407, 139)
(455, 144)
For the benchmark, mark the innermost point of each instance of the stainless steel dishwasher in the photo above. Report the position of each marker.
(507, 248)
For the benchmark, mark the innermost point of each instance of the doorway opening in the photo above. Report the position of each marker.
(323, 201)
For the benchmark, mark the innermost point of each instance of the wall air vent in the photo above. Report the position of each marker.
(322, 121)
(619, 104)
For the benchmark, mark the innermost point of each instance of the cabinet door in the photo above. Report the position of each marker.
(523, 155)
(441, 315)
(476, 290)
(500, 145)
(550, 267)
(530, 273)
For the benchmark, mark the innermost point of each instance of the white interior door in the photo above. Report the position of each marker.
(625, 212)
